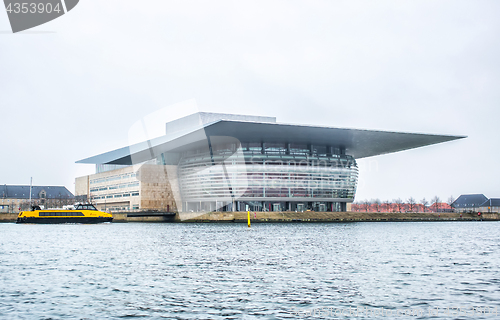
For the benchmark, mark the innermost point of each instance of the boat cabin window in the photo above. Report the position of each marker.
(62, 214)
(85, 207)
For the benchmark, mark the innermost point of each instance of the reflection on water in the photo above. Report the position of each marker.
(227, 271)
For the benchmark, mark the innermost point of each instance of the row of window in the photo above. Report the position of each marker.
(118, 195)
(113, 178)
(61, 214)
(214, 176)
(116, 186)
(271, 146)
(8, 200)
(266, 206)
(116, 208)
(267, 161)
(274, 193)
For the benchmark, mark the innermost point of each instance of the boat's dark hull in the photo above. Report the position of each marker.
(48, 220)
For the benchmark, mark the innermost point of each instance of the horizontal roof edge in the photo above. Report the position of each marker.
(360, 143)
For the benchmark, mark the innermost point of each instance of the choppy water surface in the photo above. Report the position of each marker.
(223, 271)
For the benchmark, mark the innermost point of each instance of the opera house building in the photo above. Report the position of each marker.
(225, 162)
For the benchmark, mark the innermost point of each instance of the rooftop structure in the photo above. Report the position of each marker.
(490, 205)
(469, 202)
(493, 202)
(14, 198)
(37, 192)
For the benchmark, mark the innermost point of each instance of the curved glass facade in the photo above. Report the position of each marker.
(267, 176)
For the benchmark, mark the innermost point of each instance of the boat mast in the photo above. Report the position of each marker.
(31, 184)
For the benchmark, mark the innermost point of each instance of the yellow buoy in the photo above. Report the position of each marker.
(249, 219)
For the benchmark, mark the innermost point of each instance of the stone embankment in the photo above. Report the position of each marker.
(332, 216)
(8, 217)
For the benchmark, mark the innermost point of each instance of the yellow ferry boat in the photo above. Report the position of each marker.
(83, 213)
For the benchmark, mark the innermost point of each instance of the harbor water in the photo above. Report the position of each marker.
(425, 270)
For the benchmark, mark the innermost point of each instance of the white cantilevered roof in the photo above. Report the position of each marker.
(357, 142)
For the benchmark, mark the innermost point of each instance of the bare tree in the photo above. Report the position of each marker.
(399, 203)
(354, 206)
(424, 203)
(411, 203)
(367, 204)
(435, 203)
(450, 201)
(361, 206)
(387, 205)
(376, 204)
(358, 206)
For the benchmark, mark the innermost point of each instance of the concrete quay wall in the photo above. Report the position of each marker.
(124, 217)
(8, 217)
(332, 217)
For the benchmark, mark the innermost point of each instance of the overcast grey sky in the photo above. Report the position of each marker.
(418, 66)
